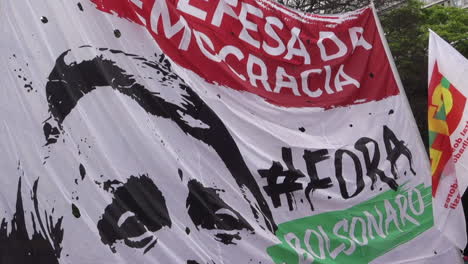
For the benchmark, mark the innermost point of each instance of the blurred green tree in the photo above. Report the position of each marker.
(407, 31)
(338, 6)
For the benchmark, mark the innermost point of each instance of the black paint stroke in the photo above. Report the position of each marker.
(68, 83)
(312, 158)
(395, 149)
(110, 185)
(75, 211)
(44, 244)
(205, 208)
(372, 164)
(288, 186)
(142, 198)
(117, 33)
(82, 171)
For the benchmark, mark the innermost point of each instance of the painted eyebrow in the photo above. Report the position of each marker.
(69, 82)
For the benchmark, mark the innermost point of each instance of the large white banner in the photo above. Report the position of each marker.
(176, 131)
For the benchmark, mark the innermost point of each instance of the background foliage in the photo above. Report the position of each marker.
(407, 32)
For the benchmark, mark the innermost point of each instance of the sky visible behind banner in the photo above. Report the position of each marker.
(206, 132)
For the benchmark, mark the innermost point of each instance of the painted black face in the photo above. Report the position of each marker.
(138, 210)
(146, 212)
(69, 82)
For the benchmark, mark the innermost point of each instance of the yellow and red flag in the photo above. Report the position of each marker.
(448, 136)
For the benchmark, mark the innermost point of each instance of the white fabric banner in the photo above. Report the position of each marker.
(175, 131)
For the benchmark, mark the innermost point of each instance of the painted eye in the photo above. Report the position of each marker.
(225, 219)
(227, 213)
(207, 210)
(124, 217)
(138, 209)
(138, 236)
(131, 225)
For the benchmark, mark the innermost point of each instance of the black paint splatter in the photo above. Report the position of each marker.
(117, 33)
(181, 175)
(82, 171)
(51, 133)
(80, 7)
(302, 129)
(109, 185)
(29, 87)
(75, 211)
(391, 112)
(44, 245)
(44, 19)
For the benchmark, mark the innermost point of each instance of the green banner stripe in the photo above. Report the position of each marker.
(358, 234)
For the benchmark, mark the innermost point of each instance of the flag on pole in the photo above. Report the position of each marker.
(448, 136)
